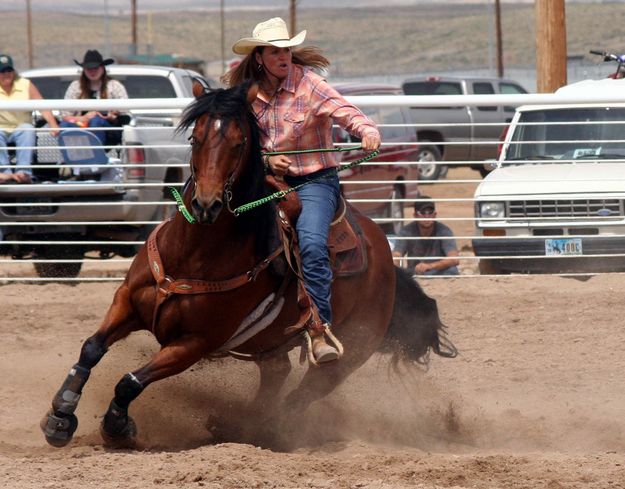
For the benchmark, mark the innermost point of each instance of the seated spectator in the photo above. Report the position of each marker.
(428, 227)
(95, 83)
(16, 126)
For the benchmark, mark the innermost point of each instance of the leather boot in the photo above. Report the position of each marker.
(321, 350)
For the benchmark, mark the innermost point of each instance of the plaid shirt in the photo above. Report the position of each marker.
(300, 116)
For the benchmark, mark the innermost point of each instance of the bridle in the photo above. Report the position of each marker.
(232, 175)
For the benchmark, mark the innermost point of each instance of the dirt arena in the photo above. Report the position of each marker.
(534, 400)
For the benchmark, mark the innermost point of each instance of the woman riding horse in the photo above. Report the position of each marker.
(296, 109)
(204, 289)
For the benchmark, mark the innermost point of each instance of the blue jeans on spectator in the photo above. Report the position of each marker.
(24, 138)
(319, 203)
(94, 122)
(448, 271)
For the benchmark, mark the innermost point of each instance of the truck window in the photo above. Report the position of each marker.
(507, 88)
(568, 134)
(484, 88)
(433, 88)
(393, 115)
(147, 86)
(52, 86)
(137, 86)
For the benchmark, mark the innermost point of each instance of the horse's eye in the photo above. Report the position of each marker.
(192, 140)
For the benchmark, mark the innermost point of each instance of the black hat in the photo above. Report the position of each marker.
(425, 203)
(93, 59)
(6, 62)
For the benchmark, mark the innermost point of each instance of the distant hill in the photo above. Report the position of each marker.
(116, 6)
(360, 42)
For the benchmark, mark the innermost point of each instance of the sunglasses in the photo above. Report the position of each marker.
(7, 70)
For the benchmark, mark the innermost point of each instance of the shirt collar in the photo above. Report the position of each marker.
(289, 84)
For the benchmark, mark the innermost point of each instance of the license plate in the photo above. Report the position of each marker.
(566, 246)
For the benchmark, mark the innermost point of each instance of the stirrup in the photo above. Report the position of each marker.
(325, 353)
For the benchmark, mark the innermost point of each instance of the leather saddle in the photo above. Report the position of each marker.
(346, 242)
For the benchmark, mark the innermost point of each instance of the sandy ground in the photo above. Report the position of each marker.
(535, 399)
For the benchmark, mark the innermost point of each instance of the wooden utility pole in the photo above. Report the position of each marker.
(222, 17)
(133, 21)
(29, 33)
(551, 51)
(499, 39)
(293, 17)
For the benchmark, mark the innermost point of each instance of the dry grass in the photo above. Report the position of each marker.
(360, 41)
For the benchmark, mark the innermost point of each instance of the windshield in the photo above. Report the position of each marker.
(569, 134)
(137, 86)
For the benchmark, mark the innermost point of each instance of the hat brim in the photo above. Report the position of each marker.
(105, 62)
(247, 44)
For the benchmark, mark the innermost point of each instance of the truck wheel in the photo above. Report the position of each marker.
(58, 270)
(428, 158)
(487, 267)
(395, 211)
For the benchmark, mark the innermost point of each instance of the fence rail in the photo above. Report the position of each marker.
(454, 194)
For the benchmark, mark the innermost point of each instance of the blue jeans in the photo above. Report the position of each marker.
(448, 271)
(24, 138)
(94, 122)
(319, 203)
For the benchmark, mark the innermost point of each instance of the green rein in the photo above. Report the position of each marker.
(281, 193)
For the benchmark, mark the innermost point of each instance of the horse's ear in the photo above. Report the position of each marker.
(198, 89)
(252, 92)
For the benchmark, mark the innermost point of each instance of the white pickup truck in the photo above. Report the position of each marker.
(148, 138)
(556, 200)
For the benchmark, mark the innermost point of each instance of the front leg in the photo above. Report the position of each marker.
(60, 423)
(118, 428)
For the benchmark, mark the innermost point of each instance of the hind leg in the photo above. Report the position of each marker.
(60, 423)
(118, 428)
(273, 374)
(254, 426)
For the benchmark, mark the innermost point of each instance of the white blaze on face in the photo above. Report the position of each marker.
(217, 124)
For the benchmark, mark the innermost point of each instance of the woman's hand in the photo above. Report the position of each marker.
(370, 142)
(279, 164)
(110, 116)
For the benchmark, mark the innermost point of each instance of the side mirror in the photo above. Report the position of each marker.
(490, 165)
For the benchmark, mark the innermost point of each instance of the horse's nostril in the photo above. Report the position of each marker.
(206, 211)
(196, 206)
(216, 207)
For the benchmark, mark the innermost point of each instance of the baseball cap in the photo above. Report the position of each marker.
(6, 62)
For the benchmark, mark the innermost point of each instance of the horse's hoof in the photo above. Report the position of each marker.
(58, 430)
(325, 353)
(124, 439)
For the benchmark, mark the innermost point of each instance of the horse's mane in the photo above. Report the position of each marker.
(230, 105)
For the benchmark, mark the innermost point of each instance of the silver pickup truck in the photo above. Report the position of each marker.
(458, 133)
(59, 210)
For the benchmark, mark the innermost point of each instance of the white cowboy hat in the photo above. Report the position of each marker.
(272, 32)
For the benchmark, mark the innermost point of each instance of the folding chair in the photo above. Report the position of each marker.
(80, 147)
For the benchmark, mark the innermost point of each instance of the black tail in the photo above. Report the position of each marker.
(415, 326)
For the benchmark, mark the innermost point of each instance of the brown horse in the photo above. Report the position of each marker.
(194, 285)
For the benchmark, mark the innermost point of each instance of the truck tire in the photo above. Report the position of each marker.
(428, 158)
(487, 267)
(58, 270)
